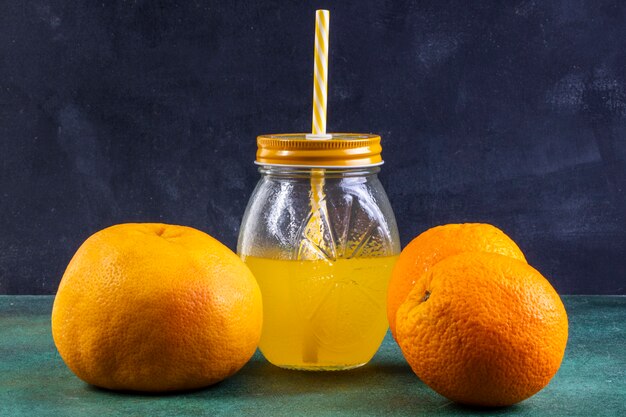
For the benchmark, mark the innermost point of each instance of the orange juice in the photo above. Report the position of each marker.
(322, 314)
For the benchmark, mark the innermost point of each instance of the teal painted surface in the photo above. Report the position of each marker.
(35, 382)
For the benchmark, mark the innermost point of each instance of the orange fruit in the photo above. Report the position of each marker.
(436, 244)
(155, 307)
(483, 329)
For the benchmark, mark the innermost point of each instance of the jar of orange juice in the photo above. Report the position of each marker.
(321, 239)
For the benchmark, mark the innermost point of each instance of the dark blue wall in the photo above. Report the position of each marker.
(511, 113)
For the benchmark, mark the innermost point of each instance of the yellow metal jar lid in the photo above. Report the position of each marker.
(339, 150)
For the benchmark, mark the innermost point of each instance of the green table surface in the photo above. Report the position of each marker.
(35, 382)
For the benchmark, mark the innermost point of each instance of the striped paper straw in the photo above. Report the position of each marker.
(320, 83)
(315, 226)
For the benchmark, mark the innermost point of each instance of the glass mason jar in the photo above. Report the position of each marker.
(320, 236)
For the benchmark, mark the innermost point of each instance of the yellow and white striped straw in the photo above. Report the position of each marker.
(315, 227)
(320, 83)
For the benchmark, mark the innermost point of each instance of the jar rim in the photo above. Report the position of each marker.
(342, 167)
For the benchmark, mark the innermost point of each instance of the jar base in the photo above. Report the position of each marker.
(319, 367)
